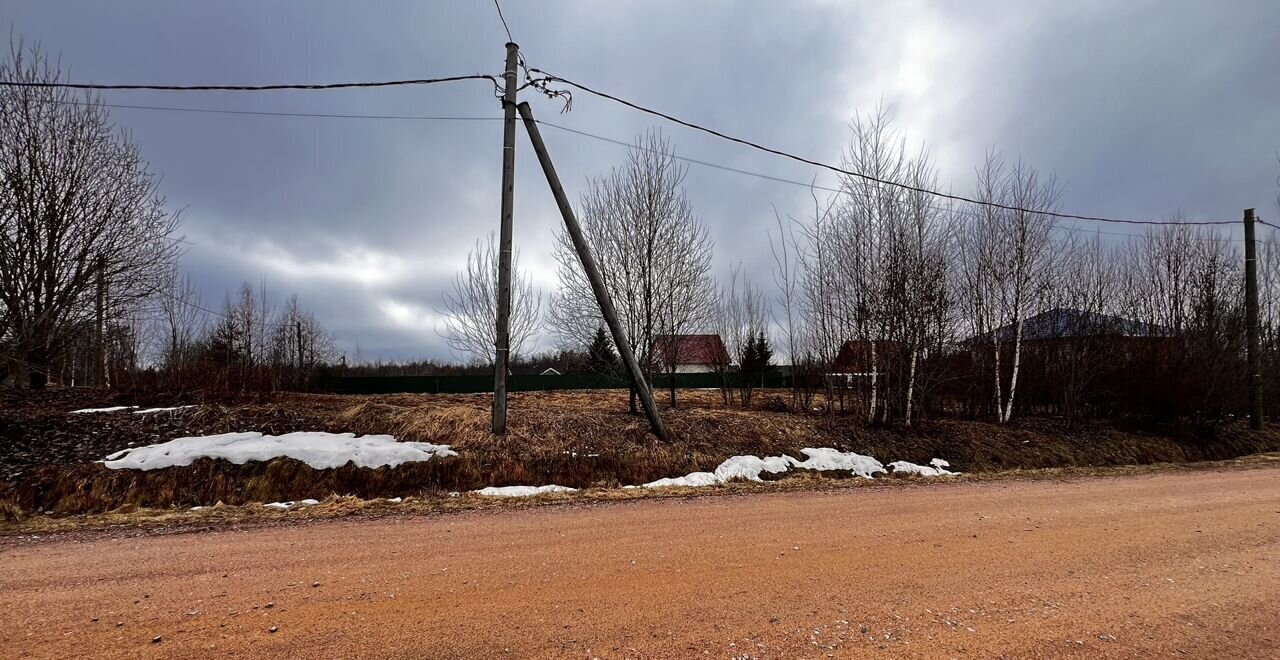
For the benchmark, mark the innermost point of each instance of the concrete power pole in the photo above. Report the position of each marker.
(503, 335)
(593, 274)
(1251, 323)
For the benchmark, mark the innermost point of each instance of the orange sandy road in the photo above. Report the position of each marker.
(1182, 565)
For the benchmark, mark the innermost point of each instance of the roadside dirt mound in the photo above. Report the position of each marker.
(578, 439)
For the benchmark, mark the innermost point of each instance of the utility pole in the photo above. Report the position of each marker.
(100, 329)
(1251, 322)
(593, 274)
(503, 335)
(297, 327)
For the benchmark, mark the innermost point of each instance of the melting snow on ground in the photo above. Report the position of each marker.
(285, 506)
(144, 411)
(692, 480)
(823, 459)
(750, 467)
(84, 411)
(938, 469)
(319, 450)
(827, 459)
(147, 411)
(522, 491)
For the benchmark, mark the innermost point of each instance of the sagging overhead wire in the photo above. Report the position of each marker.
(255, 88)
(550, 77)
(817, 186)
(266, 113)
(542, 85)
(504, 20)
(166, 293)
(622, 143)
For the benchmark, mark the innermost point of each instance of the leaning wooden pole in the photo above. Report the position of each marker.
(502, 336)
(593, 274)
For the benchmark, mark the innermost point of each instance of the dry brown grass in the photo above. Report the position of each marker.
(581, 439)
(132, 520)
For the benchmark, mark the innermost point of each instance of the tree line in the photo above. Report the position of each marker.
(893, 304)
(90, 288)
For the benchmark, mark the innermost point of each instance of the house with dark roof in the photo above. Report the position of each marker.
(1065, 323)
(690, 354)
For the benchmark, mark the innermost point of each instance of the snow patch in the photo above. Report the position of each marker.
(903, 467)
(285, 506)
(521, 491)
(114, 455)
(395, 500)
(692, 480)
(147, 411)
(87, 411)
(750, 467)
(827, 459)
(318, 449)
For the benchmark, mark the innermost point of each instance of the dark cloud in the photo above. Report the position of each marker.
(1141, 108)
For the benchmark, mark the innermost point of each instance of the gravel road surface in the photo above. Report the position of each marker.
(1171, 564)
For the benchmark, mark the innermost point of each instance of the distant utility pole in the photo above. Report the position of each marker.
(503, 335)
(100, 324)
(297, 328)
(1251, 322)
(593, 274)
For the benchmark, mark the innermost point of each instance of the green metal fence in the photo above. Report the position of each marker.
(475, 384)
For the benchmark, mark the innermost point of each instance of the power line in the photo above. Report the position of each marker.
(574, 131)
(504, 20)
(604, 95)
(264, 113)
(868, 177)
(252, 88)
(810, 185)
(206, 310)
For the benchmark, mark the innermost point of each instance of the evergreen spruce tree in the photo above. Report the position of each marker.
(601, 358)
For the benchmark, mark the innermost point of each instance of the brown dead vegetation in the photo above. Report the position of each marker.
(583, 439)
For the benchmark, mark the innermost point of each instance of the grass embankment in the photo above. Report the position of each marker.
(578, 439)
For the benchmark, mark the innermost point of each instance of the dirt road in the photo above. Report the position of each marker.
(1175, 564)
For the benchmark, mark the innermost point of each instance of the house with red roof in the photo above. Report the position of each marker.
(690, 354)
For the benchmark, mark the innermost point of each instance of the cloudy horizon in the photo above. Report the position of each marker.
(1141, 110)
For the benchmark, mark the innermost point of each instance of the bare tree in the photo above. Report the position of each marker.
(1007, 250)
(876, 272)
(1085, 290)
(472, 306)
(299, 344)
(180, 324)
(77, 207)
(787, 267)
(820, 303)
(742, 315)
(654, 255)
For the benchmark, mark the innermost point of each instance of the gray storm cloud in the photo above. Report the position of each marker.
(1142, 108)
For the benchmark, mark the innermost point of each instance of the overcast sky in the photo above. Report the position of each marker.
(1141, 108)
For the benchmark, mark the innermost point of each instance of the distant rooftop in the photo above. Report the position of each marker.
(1063, 322)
